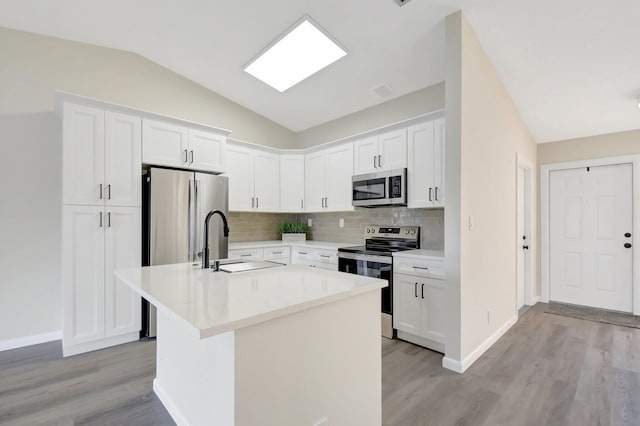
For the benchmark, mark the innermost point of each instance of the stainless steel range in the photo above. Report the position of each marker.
(375, 259)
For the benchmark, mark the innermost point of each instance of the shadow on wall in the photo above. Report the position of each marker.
(31, 217)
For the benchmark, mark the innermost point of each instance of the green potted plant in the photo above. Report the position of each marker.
(294, 232)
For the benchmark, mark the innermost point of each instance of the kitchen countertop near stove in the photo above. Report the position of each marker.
(421, 254)
(328, 245)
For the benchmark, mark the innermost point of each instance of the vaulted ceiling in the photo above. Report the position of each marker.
(571, 67)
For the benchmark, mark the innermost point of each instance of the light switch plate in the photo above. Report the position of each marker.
(341, 223)
(309, 222)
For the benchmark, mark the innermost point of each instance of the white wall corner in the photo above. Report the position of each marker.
(535, 300)
(21, 342)
(462, 366)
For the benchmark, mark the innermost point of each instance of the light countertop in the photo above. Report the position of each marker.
(216, 302)
(421, 254)
(329, 245)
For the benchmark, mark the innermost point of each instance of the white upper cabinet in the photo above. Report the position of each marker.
(167, 144)
(123, 145)
(328, 179)
(254, 179)
(101, 157)
(386, 151)
(292, 178)
(425, 174)
(83, 155)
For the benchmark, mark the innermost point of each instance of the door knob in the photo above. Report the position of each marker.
(627, 245)
(627, 234)
(525, 247)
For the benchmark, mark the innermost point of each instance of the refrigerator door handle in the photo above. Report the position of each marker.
(196, 219)
(189, 224)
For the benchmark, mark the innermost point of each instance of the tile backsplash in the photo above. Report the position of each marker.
(325, 227)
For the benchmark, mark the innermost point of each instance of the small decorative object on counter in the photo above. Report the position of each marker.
(294, 232)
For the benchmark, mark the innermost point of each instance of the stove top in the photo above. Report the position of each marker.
(384, 240)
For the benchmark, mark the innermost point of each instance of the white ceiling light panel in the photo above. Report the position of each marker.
(298, 54)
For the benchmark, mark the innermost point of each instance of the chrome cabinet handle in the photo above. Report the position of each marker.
(100, 186)
(245, 255)
(257, 202)
(374, 162)
(276, 252)
(430, 195)
(109, 220)
(100, 219)
(325, 255)
(302, 252)
(421, 267)
(422, 290)
(415, 289)
(109, 192)
(379, 160)
(191, 162)
(322, 201)
(186, 159)
(302, 204)
(252, 202)
(326, 202)
(436, 193)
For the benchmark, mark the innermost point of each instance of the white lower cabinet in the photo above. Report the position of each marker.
(419, 312)
(97, 310)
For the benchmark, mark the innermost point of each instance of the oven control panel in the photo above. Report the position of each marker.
(395, 232)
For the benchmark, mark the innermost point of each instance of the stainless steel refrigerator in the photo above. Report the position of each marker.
(175, 204)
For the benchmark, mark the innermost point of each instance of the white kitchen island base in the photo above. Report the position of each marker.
(312, 360)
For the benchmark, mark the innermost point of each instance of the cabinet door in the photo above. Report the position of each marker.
(266, 181)
(420, 171)
(292, 183)
(122, 250)
(82, 274)
(314, 176)
(240, 172)
(365, 155)
(123, 151)
(338, 189)
(433, 316)
(83, 155)
(438, 162)
(164, 144)
(207, 151)
(393, 150)
(406, 303)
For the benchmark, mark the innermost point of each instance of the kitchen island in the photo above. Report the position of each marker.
(279, 346)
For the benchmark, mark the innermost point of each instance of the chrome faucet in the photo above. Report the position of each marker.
(205, 249)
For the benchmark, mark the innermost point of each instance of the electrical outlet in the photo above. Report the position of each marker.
(309, 222)
(471, 223)
(341, 223)
(488, 316)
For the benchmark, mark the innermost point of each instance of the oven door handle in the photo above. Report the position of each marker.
(387, 260)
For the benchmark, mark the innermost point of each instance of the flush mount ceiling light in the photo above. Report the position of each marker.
(299, 53)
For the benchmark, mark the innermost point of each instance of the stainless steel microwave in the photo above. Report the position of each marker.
(380, 189)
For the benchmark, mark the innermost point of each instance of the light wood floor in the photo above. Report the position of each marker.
(547, 370)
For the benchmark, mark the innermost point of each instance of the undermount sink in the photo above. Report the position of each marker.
(247, 266)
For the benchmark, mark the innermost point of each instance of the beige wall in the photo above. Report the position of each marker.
(610, 145)
(402, 108)
(492, 134)
(31, 68)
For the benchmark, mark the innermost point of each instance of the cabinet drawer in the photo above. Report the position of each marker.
(422, 268)
(277, 253)
(246, 254)
(326, 256)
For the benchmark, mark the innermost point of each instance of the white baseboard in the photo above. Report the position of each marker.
(461, 366)
(168, 404)
(535, 300)
(21, 342)
(70, 350)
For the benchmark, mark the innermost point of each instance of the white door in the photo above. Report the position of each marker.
(165, 144)
(590, 215)
(406, 303)
(83, 155)
(240, 172)
(123, 162)
(122, 250)
(292, 183)
(521, 237)
(82, 274)
(339, 171)
(420, 171)
(365, 155)
(392, 150)
(206, 151)
(266, 181)
(314, 181)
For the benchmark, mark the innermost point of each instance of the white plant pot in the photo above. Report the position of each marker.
(294, 238)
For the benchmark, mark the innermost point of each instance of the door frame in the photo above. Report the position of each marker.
(529, 203)
(545, 249)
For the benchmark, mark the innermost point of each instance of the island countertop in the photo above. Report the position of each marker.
(211, 303)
